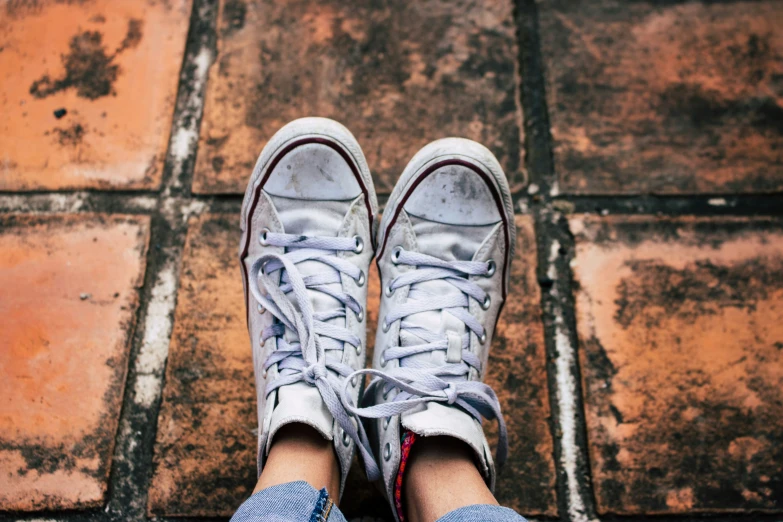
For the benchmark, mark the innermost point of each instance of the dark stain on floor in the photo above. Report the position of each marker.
(683, 384)
(657, 290)
(71, 136)
(665, 97)
(397, 74)
(88, 67)
(234, 13)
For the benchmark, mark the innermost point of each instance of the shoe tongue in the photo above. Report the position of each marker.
(450, 243)
(311, 218)
(315, 218)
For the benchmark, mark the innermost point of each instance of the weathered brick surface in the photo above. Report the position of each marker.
(398, 74)
(87, 92)
(205, 447)
(69, 298)
(205, 450)
(681, 335)
(517, 373)
(665, 97)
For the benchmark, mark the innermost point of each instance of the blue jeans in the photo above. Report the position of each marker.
(300, 502)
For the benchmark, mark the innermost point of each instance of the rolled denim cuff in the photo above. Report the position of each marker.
(291, 502)
(482, 513)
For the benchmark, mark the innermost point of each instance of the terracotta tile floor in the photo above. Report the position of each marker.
(398, 74)
(70, 292)
(680, 326)
(665, 98)
(638, 359)
(87, 92)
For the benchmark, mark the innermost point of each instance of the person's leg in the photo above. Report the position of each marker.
(300, 473)
(445, 246)
(441, 476)
(301, 453)
(306, 243)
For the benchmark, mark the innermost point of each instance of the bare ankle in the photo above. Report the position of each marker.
(442, 476)
(299, 452)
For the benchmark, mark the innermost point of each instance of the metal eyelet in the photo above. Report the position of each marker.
(361, 280)
(354, 380)
(388, 291)
(385, 326)
(483, 337)
(395, 255)
(346, 438)
(491, 267)
(487, 302)
(360, 315)
(264, 373)
(359, 349)
(260, 308)
(262, 237)
(383, 361)
(358, 245)
(387, 452)
(386, 422)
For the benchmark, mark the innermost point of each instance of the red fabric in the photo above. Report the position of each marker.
(408, 438)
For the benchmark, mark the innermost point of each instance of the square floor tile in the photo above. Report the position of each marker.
(681, 337)
(70, 288)
(397, 74)
(87, 92)
(665, 97)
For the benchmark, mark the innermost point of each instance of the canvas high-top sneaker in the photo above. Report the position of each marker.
(307, 222)
(444, 249)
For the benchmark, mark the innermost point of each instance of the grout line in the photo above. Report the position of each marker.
(575, 489)
(133, 457)
(700, 205)
(744, 205)
(570, 418)
(575, 497)
(76, 202)
(131, 466)
(23, 203)
(151, 359)
(200, 53)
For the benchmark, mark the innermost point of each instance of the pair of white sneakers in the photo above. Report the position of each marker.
(444, 247)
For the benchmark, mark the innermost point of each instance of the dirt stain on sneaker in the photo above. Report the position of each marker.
(88, 67)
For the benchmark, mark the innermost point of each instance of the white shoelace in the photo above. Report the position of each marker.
(318, 346)
(419, 383)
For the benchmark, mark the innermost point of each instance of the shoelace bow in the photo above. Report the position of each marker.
(420, 383)
(305, 358)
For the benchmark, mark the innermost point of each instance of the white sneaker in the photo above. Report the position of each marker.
(445, 245)
(307, 221)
